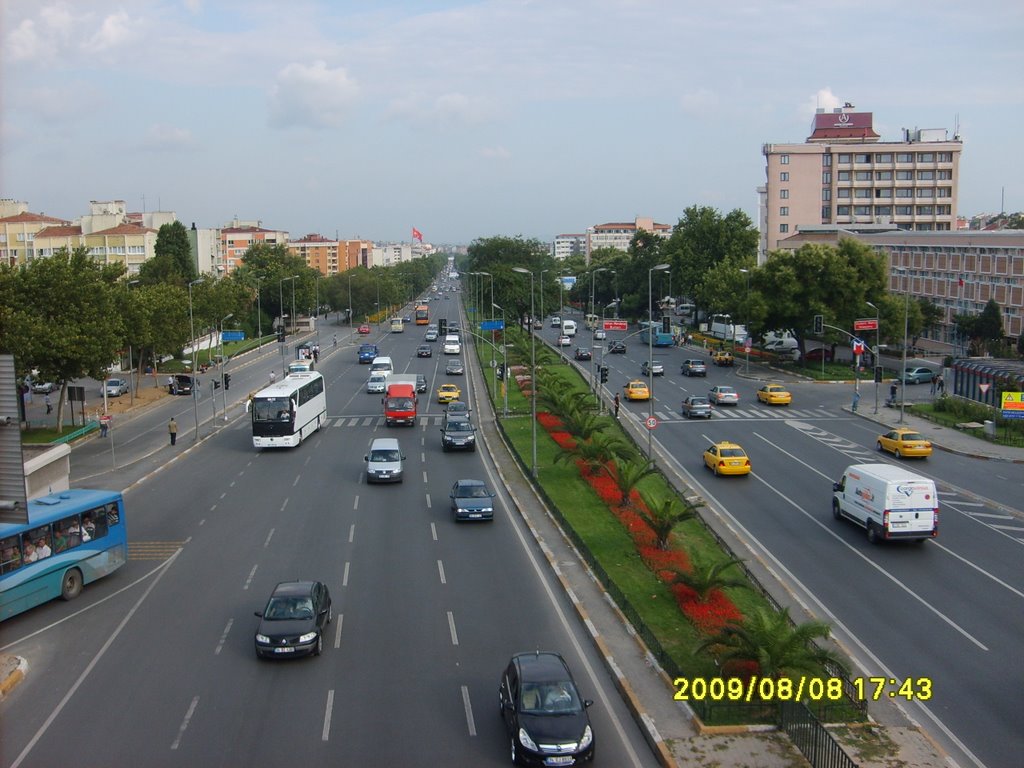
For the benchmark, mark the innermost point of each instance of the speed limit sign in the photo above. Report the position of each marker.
(651, 422)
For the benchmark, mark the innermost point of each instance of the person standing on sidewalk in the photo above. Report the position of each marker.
(616, 405)
(172, 429)
(49, 403)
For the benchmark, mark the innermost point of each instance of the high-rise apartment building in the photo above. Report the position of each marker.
(844, 175)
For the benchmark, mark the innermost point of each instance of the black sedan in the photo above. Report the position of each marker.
(472, 500)
(617, 348)
(582, 353)
(545, 718)
(454, 367)
(424, 350)
(294, 620)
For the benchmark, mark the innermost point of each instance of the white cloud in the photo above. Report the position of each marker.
(23, 43)
(495, 153)
(313, 95)
(116, 30)
(823, 99)
(162, 137)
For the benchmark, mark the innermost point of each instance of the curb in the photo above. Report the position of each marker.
(13, 677)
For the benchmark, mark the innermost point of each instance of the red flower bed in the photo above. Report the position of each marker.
(710, 616)
(665, 562)
(549, 421)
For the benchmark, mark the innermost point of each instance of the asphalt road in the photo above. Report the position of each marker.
(155, 665)
(946, 613)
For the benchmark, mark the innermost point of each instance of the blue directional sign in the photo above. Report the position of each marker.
(232, 335)
(492, 325)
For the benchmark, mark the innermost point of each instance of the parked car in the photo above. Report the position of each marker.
(617, 348)
(180, 384)
(918, 375)
(647, 368)
(545, 717)
(294, 619)
(115, 387)
(582, 353)
(454, 367)
(723, 394)
(693, 368)
(902, 442)
(696, 407)
(472, 500)
(424, 350)
(817, 354)
(726, 459)
(43, 387)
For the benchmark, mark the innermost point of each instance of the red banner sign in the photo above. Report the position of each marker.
(868, 324)
(616, 325)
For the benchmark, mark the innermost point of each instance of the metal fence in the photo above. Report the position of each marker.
(811, 738)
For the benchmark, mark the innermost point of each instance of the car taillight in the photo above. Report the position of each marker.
(746, 463)
(935, 522)
(885, 522)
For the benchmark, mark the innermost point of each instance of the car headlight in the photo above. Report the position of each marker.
(587, 738)
(470, 438)
(526, 741)
(308, 637)
(462, 510)
(262, 639)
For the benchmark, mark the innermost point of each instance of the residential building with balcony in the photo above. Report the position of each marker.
(569, 245)
(844, 175)
(18, 230)
(619, 234)
(238, 236)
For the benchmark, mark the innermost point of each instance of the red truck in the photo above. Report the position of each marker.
(400, 400)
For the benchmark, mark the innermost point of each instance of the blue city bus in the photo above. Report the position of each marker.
(71, 539)
(661, 339)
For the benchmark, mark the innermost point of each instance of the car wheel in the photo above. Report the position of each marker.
(878, 445)
(873, 536)
(71, 584)
(319, 644)
(715, 469)
(898, 454)
(836, 513)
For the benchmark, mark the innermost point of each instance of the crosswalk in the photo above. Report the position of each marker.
(751, 414)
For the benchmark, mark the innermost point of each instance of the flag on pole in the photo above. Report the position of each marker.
(417, 235)
(961, 280)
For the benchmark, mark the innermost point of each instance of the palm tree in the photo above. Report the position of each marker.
(780, 648)
(628, 475)
(596, 452)
(706, 577)
(583, 425)
(664, 515)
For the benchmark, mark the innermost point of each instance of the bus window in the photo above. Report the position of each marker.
(10, 554)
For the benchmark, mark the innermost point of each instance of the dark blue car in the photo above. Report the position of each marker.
(367, 352)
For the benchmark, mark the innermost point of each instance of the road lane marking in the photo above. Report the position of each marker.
(355, 502)
(223, 637)
(327, 716)
(270, 535)
(433, 531)
(451, 627)
(440, 571)
(297, 478)
(337, 630)
(351, 532)
(424, 477)
(185, 722)
(344, 578)
(428, 501)
(251, 574)
(470, 723)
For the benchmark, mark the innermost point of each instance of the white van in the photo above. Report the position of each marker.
(382, 364)
(783, 346)
(452, 345)
(889, 502)
(384, 461)
(569, 328)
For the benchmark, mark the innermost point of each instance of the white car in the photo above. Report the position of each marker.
(556, 322)
(377, 383)
(600, 334)
(43, 387)
(564, 341)
(723, 395)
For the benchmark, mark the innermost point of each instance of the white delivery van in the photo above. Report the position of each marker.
(784, 346)
(569, 328)
(382, 364)
(452, 345)
(384, 461)
(888, 501)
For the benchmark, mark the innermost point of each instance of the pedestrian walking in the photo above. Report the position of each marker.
(49, 404)
(856, 400)
(935, 383)
(334, 339)
(273, 377)
(616, 405)
(941, 386)
(172, 429)
(104, 425)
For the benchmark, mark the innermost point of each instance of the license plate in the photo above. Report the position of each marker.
(284, 650)
(735, 463)
(560, 760)
(475, 514)
(898, 524)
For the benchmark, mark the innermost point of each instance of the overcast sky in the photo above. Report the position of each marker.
(473, 119)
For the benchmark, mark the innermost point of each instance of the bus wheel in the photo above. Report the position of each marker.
(71, 584)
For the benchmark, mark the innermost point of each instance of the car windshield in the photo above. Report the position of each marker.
(473, 492)
(271, 409)
(551, 698)
(910, 436)
(725, 390)
(733, 452)
(459, 426)
(289, 608)
(385, 455)
(698, 401)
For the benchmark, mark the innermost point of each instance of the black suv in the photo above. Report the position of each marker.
(545, 718)
(458, 433)
(293, 622)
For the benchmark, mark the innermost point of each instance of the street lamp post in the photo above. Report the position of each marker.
(593, 383)
(350, 308)
(195, 379)
(284, 328)
(541, 282)
(131, 371)
(906, 326)
(650, 349)
(223, 365)
(878, 350)
(746, 341)
(259, 315)
(533, 374)
(504, 363)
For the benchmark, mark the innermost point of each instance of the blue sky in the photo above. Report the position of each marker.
(473, 119)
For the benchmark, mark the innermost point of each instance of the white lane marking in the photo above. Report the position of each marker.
(223, 637)
(251, 574)
(185, 722)
(225, 493)
(298, 477)
(433, 531)
(471, 724)
(344, 578)
(355, 502)
(351, 532)
(306, 462)
(451, 627)
(284, 504)
(978, 568)
(424, 477)
(423, 456)
(95, 659)
(231, 484)
(440, 571)
(270, 535)
(337, 630)
(327, 716)
(428, 501)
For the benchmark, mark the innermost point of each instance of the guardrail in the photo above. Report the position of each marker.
(77, 433)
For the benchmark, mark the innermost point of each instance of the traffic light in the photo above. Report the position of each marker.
(280, 334)
(227, 381)
(442, 326)
(878, 374)
(819, 324)
(604, 374)
(666, 324)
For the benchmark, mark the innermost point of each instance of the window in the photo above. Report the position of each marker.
(945, 157)
(923, 227)
(843, 176)
(826, 194)
(883, 210)
(903, 210)
(862, 193)
(904, 157)
(783, 228)
(943, 192)
(943, 210)
(904, 175)
(784, 210)
(885, 157)
(784, 176)
(826, 160)
(784, 194)
(944, 174)
(826, 213)
(826, 177)
(926, 175)
(925, 210)
(926, 157)
(844, 193)
(842, 210)
(904, 193)
(883, 175)
(844, 158)
(879, 193)
(784, 159)
(862, 210)
(862, 176)
(925, 192)
(862, 158)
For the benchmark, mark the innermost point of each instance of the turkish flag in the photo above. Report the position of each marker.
(417, 235)
(961, 282)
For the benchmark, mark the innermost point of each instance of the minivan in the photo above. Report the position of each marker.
(382, 364)
(384, 462)
(452, 345)
(569, 328)
(888, 502)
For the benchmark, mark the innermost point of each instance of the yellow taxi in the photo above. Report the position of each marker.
(726, 459)
(448, 393)
(637, 390)
(722, 357)
(902, 442)
(774, 394)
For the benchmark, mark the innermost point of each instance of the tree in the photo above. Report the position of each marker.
(596, 452)
(627, 476)
(172, 258)
(780, 649)
(663, 515)
(706, 576)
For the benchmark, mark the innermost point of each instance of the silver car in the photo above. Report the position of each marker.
(723, 395)
(116, 387)
(696, 407)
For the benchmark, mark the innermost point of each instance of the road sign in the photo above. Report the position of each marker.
(232, 335)
(616, 325)
(984, 388)
(858, 347)
(651, 422)
(866, 324)
(492, 325)
(746, 344)
(1013, 405)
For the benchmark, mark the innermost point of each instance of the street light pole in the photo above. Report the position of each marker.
(504, 362)
(533, 373)
(593, 383)
(906, 326)
(284, 328)
(541, 281)
(223, 365)
(746, 344)
(350, 309)
(878, 350)
(650, 349)
(259, 315)
(195, 379)
(131, 371)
